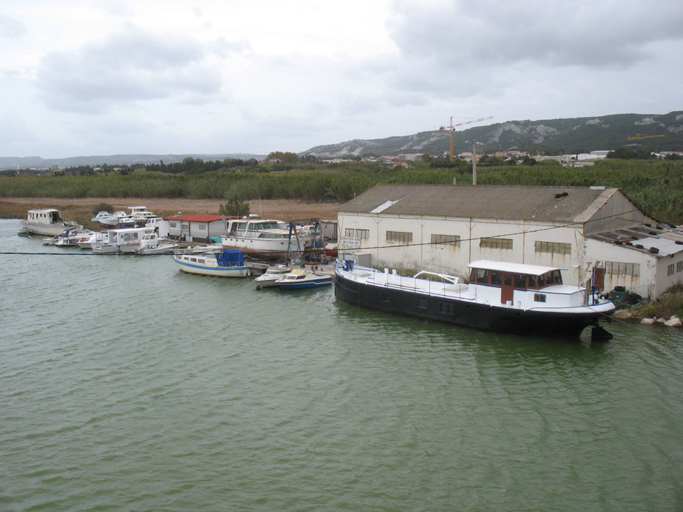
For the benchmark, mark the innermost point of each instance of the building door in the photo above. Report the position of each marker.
(507, 290)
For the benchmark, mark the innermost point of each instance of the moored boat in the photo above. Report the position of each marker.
(222, 263)
(506, 297)
(264, 237)
(47, 222)
(301, 278)
(272, 274)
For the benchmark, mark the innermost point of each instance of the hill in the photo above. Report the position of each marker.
(36, 162)
(550, 136)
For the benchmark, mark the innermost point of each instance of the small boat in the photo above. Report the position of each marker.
(272, 274)
(47, 222)
(301, 278)
(100, 215)
(70, 237)
(94, 238)
(222, 263)
(265, 237)
(500, 296)
(152, 244)
(112, 220)
(124, 240)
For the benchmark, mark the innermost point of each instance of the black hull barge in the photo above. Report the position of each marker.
(505, 297)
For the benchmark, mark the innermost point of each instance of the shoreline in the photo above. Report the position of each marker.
(81, 209)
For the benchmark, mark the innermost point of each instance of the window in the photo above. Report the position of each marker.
(400, 237)
(421, 304)
(495, 243)
(495, 278)
(173, 224)
(446, 308)
(202, 227)
(452, 240)
(679, 266)
(479, 275)
(553, 247)
(362, 234)
(622, 269)
(539, 297)
(670, 269)
(520, 281)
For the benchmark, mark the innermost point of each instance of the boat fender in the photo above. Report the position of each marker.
(258, 286)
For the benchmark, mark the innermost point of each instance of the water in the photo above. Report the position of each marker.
(127, 385)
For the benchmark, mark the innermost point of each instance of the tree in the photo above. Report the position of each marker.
(290, 158)
(234, 207)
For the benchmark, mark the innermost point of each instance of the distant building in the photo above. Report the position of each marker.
(196, 227)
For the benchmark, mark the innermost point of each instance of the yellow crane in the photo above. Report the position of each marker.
(637, 137)
(452, 126)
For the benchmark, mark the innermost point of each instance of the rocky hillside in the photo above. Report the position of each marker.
(553, 136)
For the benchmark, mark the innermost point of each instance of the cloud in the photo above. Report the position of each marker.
(11, 28)
(598, 33)
(126, 67)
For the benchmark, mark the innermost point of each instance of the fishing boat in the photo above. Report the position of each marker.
(507, 297)
(47, 222)
(222, 263)
(301, 278)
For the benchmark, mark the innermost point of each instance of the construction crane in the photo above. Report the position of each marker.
(452, 126)
(638, 136)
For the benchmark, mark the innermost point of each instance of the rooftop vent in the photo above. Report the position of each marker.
(654, 250)
(560, 196)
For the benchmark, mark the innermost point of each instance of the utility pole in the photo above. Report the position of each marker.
(474, 162)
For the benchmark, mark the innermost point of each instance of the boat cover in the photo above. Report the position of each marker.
(230, 258)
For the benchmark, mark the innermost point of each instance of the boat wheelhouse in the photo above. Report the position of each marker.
(507, 297)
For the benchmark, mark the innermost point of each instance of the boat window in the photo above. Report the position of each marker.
(539, 297)
(549, 278)
(421, 303)
(193, 260)
(482, 276)
(532, 282)
(507, 280)
(446, 308)
(541, 281)
(558, 276)
(495, 278)
(520, 281)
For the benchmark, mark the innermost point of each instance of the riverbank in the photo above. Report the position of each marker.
(82, 209)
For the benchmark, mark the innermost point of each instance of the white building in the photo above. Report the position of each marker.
(444, 227)
(197, 227)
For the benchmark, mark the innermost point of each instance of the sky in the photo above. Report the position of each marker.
(106, 77)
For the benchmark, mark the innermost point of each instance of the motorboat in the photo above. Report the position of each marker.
(124, 240)
(221, 263)
(94, 238)
(152, 244)
(47, 222)
(140, 214)
(112, 220)
(302, 278)
(264, 237)
(100, 215)
(70, 237)
(500, 296)
(272, 274)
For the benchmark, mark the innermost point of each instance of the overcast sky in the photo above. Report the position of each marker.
(102, 77)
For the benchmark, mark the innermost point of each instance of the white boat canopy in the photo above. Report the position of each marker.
(513, 268)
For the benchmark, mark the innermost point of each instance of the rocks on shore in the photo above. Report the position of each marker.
(674, 321)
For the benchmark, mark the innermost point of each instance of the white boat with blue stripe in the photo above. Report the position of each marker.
(224, 263)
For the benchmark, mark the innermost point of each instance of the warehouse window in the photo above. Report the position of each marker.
(401, 237)
(670, 269)
(622, 269)
(553, 247)
(362, 234)
(452, 240)
(679, 266)
(495, 243)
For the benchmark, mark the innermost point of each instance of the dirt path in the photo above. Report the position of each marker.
(81, 209)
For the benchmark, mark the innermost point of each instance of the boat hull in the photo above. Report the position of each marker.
(312, 283)
(470, 314)
(48, 229)
(237, 271)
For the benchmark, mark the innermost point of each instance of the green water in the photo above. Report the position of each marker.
(127, 385)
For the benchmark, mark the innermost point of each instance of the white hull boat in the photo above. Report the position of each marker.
(270, 277)
(223, 263)
(47, 222)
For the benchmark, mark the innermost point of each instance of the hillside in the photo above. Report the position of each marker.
(550, 136)
(36, 162)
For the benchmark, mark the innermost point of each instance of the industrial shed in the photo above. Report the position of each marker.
(445, 227)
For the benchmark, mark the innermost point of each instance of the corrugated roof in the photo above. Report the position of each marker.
(547, 204)
(198, 217)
